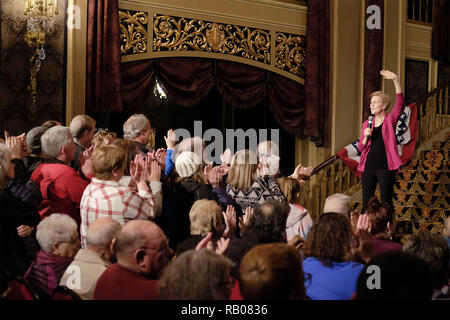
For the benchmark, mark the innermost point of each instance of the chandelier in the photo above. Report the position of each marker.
(40, 15)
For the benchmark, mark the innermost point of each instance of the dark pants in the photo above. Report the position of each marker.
(385, 178)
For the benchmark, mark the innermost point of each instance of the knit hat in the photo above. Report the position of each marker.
(33, 140)
(187, 164)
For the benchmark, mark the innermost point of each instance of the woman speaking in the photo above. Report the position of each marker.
(378, 146)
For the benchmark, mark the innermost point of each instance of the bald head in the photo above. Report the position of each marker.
(137, 234)
(101, 232)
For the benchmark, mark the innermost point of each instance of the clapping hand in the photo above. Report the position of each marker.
(16, 145)
(230, 221)
(171, 139)
(160, 157)
(245, 220)
(221, 247)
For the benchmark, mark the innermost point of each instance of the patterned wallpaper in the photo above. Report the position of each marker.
(16, 114)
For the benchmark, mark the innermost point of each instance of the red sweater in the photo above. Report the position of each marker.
(61, 187)
(118, 283)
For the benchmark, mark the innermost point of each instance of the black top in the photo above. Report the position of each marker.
(376, 159)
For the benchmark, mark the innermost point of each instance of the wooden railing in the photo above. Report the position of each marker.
(433, 112)
(420, 11)
(333, 176)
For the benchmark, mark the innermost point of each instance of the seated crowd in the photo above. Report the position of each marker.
(103, 218)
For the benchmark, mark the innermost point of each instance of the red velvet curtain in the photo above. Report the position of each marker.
(103, 81)
(137, 83)
(317, 80)
(373, 58)
(441, 31)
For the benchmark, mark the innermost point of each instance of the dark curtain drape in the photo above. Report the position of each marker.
(317, 82)
(137, 83)
(373, 58)
(103, 81)
(441, 31)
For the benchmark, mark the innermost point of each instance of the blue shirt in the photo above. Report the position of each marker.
(337, 282)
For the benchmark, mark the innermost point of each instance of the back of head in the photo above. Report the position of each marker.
(104, 136)
(291, 189)
(268, 223)
(54, 139)
(187, 164)
(194, 144)
(272, 272)
(57, 228)
(329, 238)
(379, 215)
(205, 216)
(101, 232)
(134, 235)
(80, 124)
(51, 123)
(197, 275)
(432, 249)
(242, 170)
(269, 157)
(33, 140)
(5, 159)
(130, 150)
(337, 202)
(134, 125)
(105, 159)
(394, 275)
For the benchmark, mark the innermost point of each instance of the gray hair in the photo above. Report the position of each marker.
(338, 202)
(134, 125)
(80, 124)
(103, 236)
(54, 139)
(57, 228)
(5, 159)
(267, 148)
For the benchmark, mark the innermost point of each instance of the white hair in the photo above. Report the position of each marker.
(57, 228)
(337, 202)
(269, 156)
(267, 148)
(134, 125)
(5, 159)
(54, 139)
(80, 124)
(101, 237)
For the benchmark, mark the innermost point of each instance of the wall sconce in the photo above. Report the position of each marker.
(40, 15)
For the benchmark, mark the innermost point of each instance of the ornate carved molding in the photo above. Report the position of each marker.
(133, 25)
(183, 34)
(290, 53)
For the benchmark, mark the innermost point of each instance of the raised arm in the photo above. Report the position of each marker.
(392, 76)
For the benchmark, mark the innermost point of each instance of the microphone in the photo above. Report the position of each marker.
(370, 122)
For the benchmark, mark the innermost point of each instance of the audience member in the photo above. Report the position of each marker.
(58, 237)
(61, 186)
(142, 255)
(272, 272)
(19, 217)
(381, 226)
(34, 155)
(268, 159)
(82, 128)
(138, 129)
(103, 137)
(190, 187)
(51, 123)
(433, 250)
(338, 202)
(266, 225)
(104, 196)
(245, 187)
(299, 221)
(394, 275)
(205, 217)
(197, 275)
(328, 275)
(89, 264)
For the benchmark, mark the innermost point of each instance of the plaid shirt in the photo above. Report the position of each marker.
(110, 199)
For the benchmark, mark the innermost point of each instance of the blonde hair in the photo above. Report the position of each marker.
(205, 216)
(101, 136)
(129, 149)
(241, 174)
(105, 159)
(385, 98)
(291, 189)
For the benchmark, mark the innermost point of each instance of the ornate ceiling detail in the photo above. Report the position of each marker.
(133, 25)
(182, 34)
(290, 53)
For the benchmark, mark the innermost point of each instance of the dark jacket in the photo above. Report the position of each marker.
(192, 242)
(75, 163)
(183, 197)
(18, 202)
